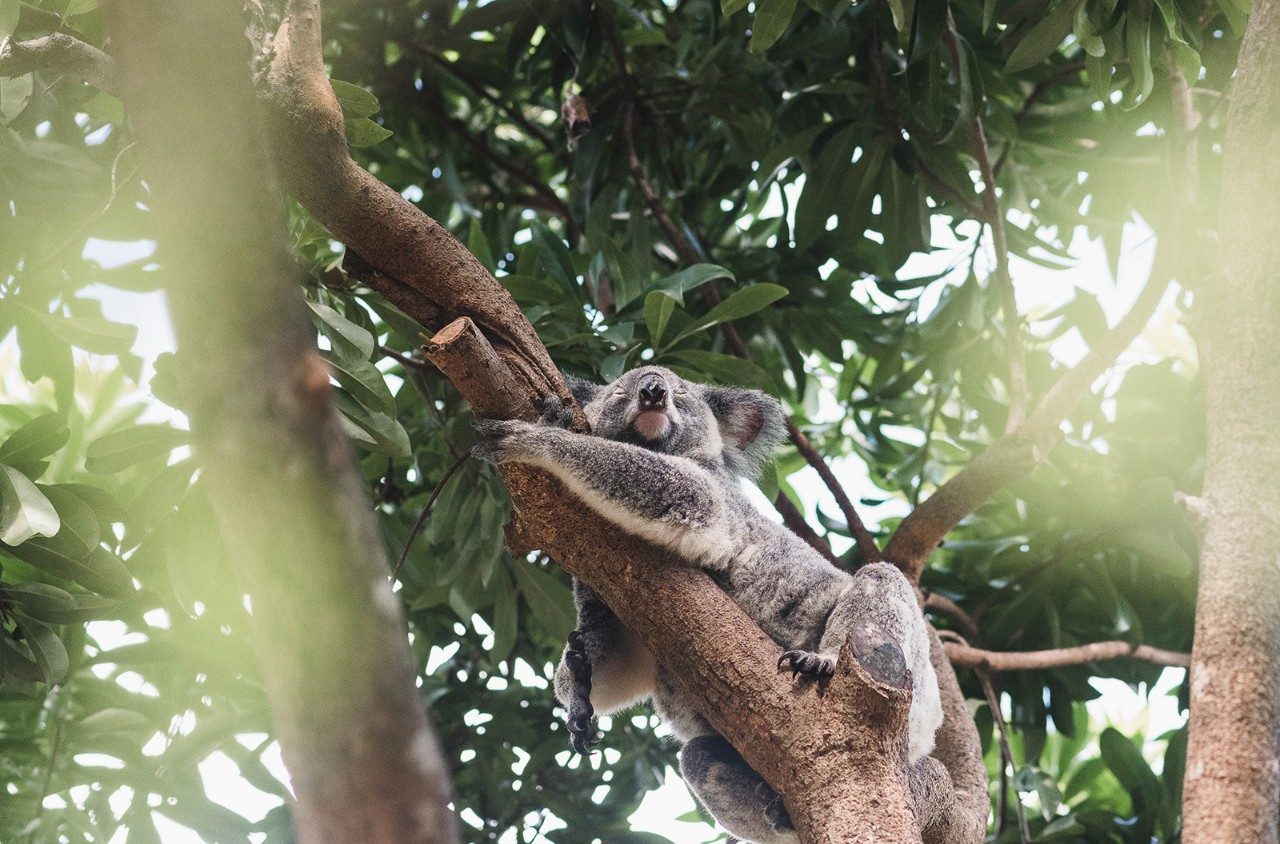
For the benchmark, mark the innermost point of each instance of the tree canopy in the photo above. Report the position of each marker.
(743, 192)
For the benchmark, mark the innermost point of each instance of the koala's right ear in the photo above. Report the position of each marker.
(583, 391)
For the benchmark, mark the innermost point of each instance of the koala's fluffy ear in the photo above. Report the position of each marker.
(751, 425)
(583, 391)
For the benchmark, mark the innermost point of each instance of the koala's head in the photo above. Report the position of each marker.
(654, 408)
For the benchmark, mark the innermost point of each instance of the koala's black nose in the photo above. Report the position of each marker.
(652, 391)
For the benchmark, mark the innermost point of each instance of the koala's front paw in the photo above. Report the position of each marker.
(555, 412)
(814, 666)
(498, 439)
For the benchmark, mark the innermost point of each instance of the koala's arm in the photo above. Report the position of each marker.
(671, 501)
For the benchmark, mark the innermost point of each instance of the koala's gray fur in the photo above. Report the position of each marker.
(665, 464)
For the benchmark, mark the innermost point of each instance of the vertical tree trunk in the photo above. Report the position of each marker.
(363, 757)
(1232, 791)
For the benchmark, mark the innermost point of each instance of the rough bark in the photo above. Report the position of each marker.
(1232, 787)
(340, 680)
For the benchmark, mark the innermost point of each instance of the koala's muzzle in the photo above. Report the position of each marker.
(652, 421)
(653, 393)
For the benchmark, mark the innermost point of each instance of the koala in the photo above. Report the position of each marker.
(666, 463)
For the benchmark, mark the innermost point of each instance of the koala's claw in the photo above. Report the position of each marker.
(811, 665)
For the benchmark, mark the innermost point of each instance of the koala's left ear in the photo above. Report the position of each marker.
(751, 425)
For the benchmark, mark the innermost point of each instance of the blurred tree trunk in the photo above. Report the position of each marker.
(364, 759)
(1232, 790)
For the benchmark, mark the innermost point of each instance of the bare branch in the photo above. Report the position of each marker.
(59, 52)
(1006, 757)
(971, 657)
(794, 519)
(936, 603)
(1017, 452)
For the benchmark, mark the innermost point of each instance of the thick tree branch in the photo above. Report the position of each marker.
(970, 657)
(363, 758)
(1017, 452)
(59, 52)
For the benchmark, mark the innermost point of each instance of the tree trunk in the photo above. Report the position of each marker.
(363, 757)
(1232, 790)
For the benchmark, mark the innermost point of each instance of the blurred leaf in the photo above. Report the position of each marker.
(26, 448)
(24, 510)
(114, 452)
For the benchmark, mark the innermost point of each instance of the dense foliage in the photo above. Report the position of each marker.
(802, 155)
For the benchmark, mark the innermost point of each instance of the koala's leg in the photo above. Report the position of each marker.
(880, 596)
(668, 500)
(603, 668)
(735, 795)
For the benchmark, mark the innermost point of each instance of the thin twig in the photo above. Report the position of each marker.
(994, 215)
(938, 603)
(426, 510)
(404, 359)
(1006, 758)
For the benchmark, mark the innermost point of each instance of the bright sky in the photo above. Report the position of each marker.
(1038, 291)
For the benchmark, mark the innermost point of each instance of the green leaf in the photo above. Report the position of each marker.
(374, 430)
(114, 452)
(363, 132)
(658, 308)
(348, 339)
(49, 652)
(80, 529)
(37, 599)
(1130, 768)
(899, 10)
(93, 334)
(355, 101)
(9, 11)
(726, 369)
(742, 303)
(690, 278)
(732, 7)
(100, 571)
(772, 19)
(505, 620)
(1043, 38)
(24, 510)
(26, 448)
(478, 245)
(549, 599)
(15, 93)
(80, 7)
(555, 259)
(364, 382)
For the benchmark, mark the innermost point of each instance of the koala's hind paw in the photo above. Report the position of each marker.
(555, 412)
(582, 734)
(809, 664)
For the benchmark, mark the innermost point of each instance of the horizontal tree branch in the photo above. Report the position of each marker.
(971, 657)
(1017, 452)
(59, 52)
